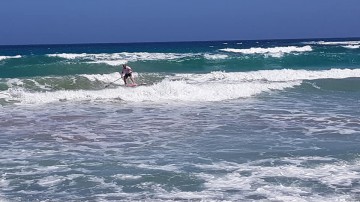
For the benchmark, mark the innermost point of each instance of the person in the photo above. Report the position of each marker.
(127, 73)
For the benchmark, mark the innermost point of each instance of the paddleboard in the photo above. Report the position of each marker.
(134, 84)
(131, 85)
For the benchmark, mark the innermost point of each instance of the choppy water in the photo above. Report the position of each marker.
(267, 120)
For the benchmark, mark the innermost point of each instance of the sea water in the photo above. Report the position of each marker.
(217, 121)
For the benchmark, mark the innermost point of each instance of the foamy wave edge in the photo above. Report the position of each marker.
(332, 43)
(124, 56)
(274, 52)
(282, 75)
(115, 59)
(165, 91)
(189, 87)
(9, 57)
(352, 46)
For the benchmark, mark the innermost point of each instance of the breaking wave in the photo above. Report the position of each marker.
(332, 43)
(274, 52)
(9, 57)
(214, 86)
(116, 59)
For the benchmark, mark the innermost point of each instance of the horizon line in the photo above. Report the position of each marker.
(190, 41)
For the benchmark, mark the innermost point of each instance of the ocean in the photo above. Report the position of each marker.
(267, 120)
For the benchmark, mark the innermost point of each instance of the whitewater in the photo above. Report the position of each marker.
(274, 120)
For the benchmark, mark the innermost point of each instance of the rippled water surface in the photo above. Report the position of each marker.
(278, 146)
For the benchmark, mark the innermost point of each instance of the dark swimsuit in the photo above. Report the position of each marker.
(127, 75)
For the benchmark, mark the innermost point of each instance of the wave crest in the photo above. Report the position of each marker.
(331, 43)
(274, 52)
(9, 57)
(115, 59)
(352, 46)
(214, 86)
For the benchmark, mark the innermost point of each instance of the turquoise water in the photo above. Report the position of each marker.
(231, 120)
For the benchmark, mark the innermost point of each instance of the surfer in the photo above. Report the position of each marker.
(127, 73)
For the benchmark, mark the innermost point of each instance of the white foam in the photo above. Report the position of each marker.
(110, 62)
(123, 57)
(9, 57)
(190, 196)
(274, 52)
(215, 86)
(4, 95)
(127, 177)
(333, 174)
(333, 42)
(69, 55)
(14, 82)
(163, 91)
(115, 59)
(21, 82)
(352, 46)
(50, 181)
(215, 56)
(283, 75)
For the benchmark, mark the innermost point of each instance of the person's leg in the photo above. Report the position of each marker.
(132, 79)
(124, 79)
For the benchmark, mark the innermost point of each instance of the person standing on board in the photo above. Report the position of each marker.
(126, 73)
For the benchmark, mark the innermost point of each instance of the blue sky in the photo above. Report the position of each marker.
(112, 21)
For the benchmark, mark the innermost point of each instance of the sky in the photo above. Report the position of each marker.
(119, 21)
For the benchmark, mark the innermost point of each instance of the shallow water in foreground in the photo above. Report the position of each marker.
(273, 120)
(287, 146)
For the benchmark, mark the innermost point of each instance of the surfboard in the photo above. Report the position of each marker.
(131, 85)
(134, 84)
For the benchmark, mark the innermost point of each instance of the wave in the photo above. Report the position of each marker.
(109, 62)
(283, 75)
(214, 86)
(332, 42)
(160, 92)
(215, 56)
(352, 46)
(116, 59)
(274, 52)
(124, 55)
(9, 57)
